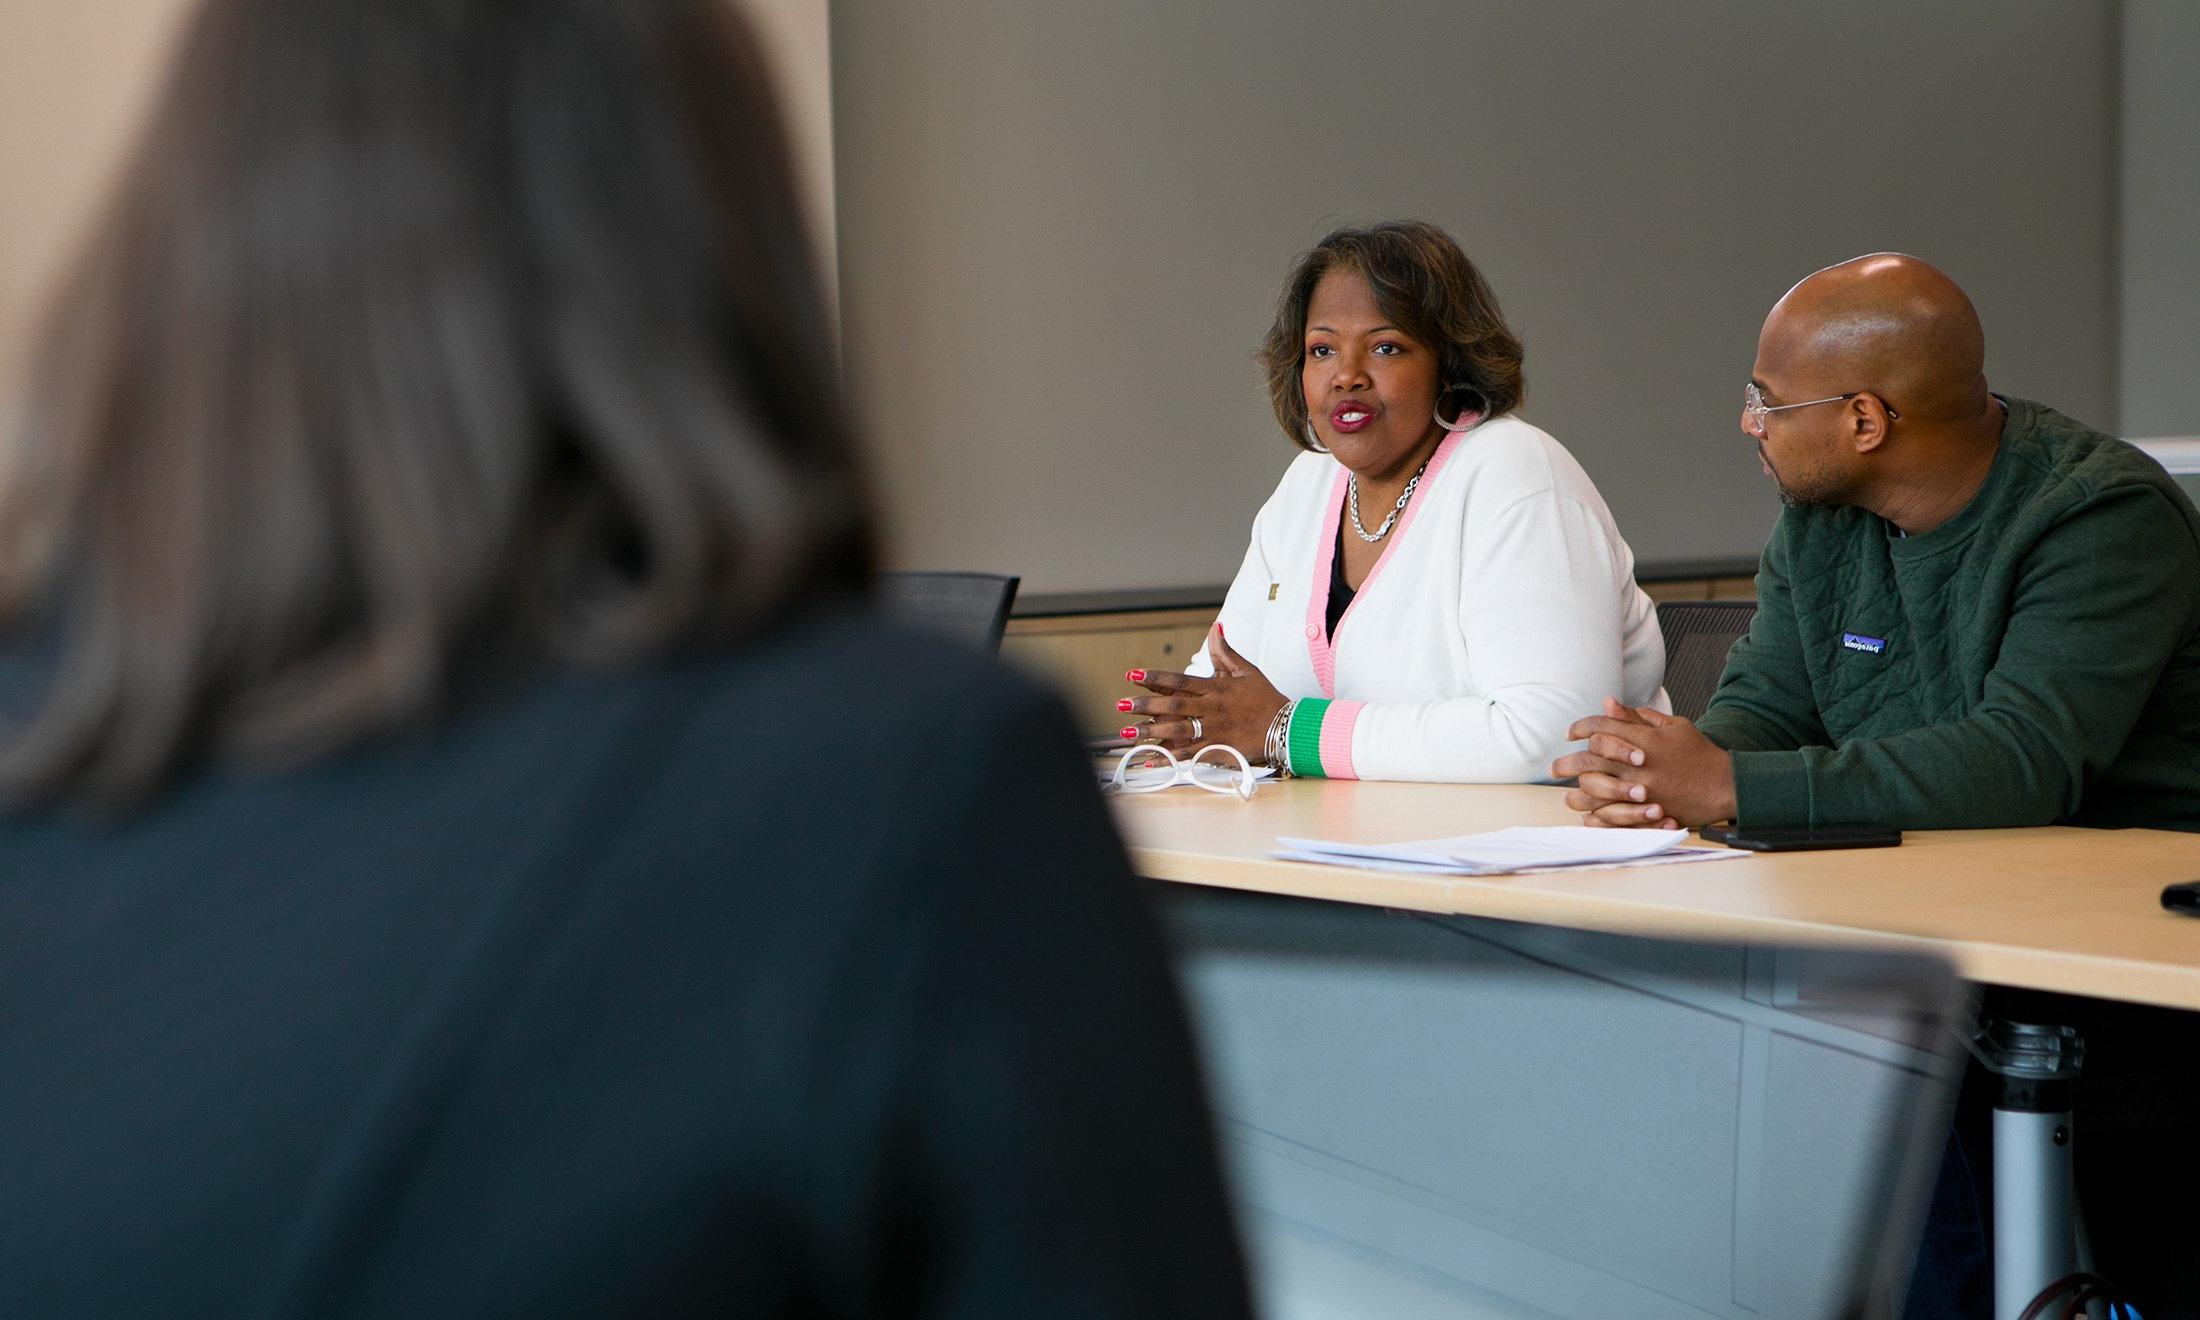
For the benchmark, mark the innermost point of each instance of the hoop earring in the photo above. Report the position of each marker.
(1313, 441)
(1468, 418)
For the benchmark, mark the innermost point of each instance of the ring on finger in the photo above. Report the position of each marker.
(1199, 730)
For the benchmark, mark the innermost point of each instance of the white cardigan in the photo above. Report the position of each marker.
(1503, 608)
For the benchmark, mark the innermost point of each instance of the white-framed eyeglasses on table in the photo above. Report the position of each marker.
(1150, 768)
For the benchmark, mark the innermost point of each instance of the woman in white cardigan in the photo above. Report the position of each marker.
(1436, 590)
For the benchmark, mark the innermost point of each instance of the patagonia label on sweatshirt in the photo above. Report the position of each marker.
(1859, 642)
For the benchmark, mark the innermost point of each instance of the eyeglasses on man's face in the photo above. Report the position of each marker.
(1755, 409)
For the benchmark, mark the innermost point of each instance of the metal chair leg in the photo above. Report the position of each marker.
(2035, 1235)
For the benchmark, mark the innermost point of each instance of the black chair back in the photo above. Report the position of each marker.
(971, 608)
(1698, 634)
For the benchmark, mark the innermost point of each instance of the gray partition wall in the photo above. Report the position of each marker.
(2159, 222)
(1062, 226)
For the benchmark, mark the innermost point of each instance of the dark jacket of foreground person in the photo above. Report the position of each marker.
(806, 979)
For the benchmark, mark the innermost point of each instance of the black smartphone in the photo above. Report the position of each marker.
(1804, 838)
(2183, 898)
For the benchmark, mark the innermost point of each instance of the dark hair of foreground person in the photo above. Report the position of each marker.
(421, 340)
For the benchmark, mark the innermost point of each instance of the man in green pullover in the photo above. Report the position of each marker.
(1974, 611)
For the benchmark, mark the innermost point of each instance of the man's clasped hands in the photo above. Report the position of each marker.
(1645, 768)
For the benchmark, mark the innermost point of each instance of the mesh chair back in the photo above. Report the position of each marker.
(1698, 634)
(970, 608)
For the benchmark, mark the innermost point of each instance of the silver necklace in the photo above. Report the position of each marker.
(1359, 528)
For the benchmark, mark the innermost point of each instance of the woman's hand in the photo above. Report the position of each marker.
(1235, 707)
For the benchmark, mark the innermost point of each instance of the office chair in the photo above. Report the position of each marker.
(1698, 634)
(971, 608)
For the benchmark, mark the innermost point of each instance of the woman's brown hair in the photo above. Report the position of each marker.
(420, 338)
(1427, 288)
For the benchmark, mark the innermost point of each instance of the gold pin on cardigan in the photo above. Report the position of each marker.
(1272, 589)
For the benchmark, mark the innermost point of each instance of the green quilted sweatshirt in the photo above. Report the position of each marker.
(2035, 659)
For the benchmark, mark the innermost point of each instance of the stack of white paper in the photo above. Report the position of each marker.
(1505, 852)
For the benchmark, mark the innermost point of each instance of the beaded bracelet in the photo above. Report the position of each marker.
(1276, 749)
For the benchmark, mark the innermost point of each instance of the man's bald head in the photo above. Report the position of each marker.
(1886, 323)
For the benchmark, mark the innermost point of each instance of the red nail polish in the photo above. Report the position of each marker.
(1136, 676)
(1124, 705)
(1130, 734)
(1218, 628)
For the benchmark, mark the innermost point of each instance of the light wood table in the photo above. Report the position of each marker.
(2063, 909)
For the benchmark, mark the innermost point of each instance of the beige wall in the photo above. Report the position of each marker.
(76, 74)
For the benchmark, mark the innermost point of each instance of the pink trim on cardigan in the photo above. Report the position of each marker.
(1336, 743)
(1319, 644)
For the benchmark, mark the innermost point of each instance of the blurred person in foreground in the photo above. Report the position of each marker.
(446, 867)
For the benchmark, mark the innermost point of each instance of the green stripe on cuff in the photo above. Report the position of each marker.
(1305, 736)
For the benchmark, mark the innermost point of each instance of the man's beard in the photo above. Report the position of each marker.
(1799, 496)
(1802, 500)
